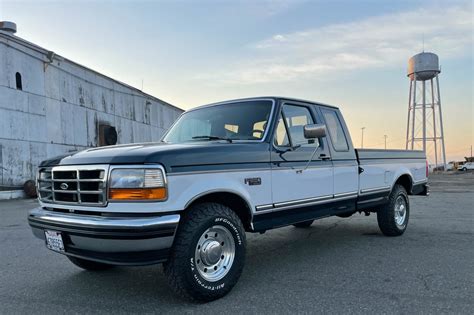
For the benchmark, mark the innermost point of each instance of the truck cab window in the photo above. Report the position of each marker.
(296, 118)
(281, 136)
(336, 132)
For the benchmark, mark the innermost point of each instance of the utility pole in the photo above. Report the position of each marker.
(385, 138)
(362, 141)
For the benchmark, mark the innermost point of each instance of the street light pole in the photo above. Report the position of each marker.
(385, 138)
(362, 141)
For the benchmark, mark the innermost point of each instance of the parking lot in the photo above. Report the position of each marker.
(335, 266)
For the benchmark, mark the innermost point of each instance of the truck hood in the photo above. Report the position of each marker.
(174, 157)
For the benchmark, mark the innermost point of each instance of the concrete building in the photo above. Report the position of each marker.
(50, 105)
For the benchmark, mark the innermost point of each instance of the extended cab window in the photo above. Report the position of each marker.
(281, 136)
(235, 121)
(296, 117)
(336, 132)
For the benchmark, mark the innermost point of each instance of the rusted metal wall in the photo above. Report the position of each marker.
(60, 107)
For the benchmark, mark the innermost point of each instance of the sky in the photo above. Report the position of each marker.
(352, 54)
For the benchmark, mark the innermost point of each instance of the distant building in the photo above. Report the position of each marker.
(50, 105)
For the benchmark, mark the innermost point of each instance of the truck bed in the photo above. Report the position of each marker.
(379, 170)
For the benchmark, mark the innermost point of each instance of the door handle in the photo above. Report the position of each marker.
(324, 157)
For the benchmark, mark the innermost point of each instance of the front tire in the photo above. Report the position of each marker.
(208, 254)
(394, 215)
(89, 264)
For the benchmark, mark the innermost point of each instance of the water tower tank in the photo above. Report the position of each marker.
(425, 65)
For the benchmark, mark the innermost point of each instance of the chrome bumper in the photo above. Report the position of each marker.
(114, 240)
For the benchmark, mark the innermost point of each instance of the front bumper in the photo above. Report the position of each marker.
(114, 240)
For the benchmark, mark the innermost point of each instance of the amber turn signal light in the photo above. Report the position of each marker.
(137, 193)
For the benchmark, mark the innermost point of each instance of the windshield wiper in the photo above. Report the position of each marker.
(212, 138)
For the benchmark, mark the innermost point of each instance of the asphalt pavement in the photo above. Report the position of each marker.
(335, 266)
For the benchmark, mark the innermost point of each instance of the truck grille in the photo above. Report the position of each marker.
(73, 185)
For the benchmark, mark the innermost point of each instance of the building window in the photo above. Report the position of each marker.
(19, 84)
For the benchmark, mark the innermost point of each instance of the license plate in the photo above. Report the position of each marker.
(54, 241)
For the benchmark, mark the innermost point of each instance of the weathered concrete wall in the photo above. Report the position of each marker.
(60, 108)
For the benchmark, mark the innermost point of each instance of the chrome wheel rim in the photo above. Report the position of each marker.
(215, 253)
(400, 211)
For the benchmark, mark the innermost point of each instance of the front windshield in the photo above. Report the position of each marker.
(230, 121)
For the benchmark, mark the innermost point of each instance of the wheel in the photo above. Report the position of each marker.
(303, 224)
(89, 264)
(208, 254)
(464, 169)
(393, 216)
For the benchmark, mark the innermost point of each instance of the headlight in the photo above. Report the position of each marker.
(137, 184)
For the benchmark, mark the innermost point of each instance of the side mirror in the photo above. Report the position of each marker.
(314, 131)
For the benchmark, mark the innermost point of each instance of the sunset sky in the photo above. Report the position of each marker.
(352, 54)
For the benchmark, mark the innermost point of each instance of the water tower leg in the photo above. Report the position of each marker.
(441, 124)
(423, 97)
(409, 112)
(413, 113)
(434, 123)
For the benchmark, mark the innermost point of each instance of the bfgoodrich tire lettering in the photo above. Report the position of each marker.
(393, 216)
(182, 271)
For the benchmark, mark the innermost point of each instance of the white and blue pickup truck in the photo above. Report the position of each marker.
(221, 170)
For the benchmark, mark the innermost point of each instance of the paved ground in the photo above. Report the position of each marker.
(336, 266)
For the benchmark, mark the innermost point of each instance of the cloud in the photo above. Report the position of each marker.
(375, 42)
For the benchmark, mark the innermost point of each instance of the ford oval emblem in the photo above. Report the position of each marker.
(64, 186)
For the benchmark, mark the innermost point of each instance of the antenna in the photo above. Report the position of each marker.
(423, 40)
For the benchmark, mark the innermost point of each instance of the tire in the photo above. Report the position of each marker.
(464, 169)
(89, 264)
(394, 215)
(304, 224)
(201, 267)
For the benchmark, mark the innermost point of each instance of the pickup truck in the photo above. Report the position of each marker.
(221, 170)
(466, 166)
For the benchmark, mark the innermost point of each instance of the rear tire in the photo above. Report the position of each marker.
(208, 254)
(304, 224)
(393, 216)
(89, 264)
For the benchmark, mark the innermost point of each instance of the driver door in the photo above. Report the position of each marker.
(293, 186)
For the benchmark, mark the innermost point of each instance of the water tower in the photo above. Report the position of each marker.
(425, 120)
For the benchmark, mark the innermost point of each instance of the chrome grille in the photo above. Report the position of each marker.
(77, 185)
